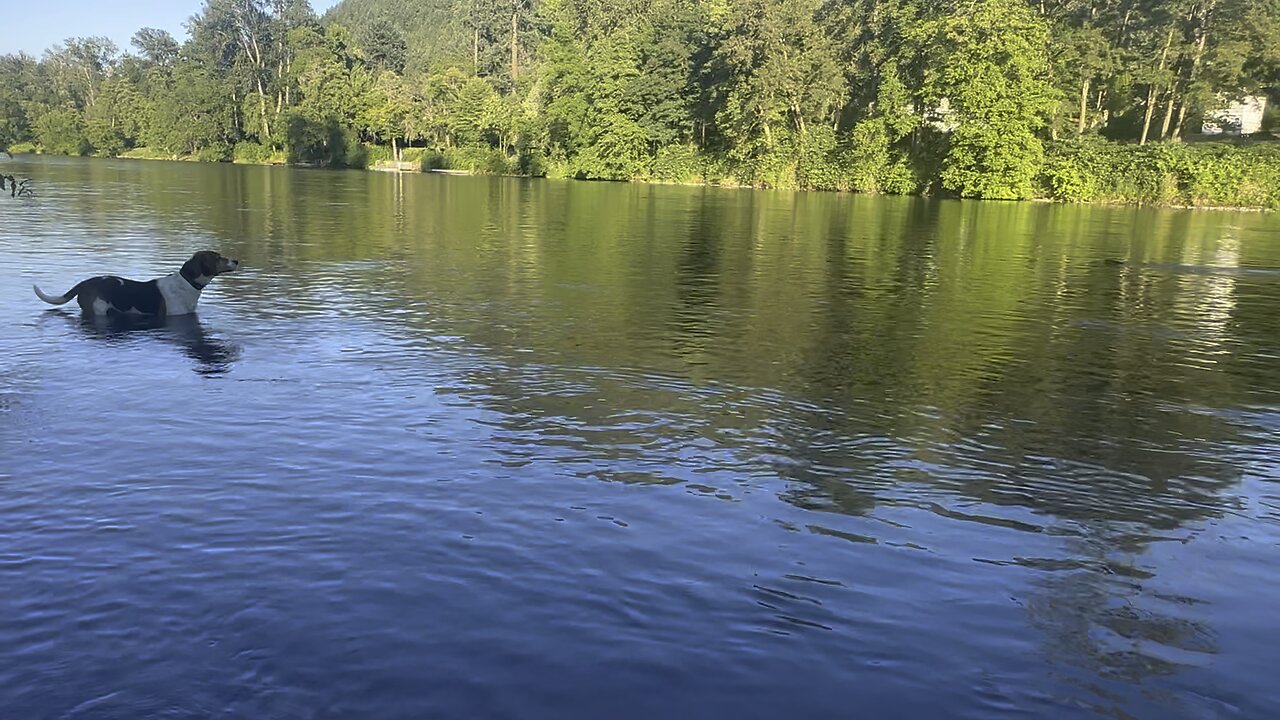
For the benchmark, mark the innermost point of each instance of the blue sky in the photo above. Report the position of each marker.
(32, 26)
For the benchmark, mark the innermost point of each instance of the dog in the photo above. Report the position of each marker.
(175, 294)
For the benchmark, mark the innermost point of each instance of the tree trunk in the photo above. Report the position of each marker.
(1177, 126)
(1168, 111)
(1151, 108)
(515, 43)
(1084, 106)
(1151, 92)
(262, 107)
(1195, 69)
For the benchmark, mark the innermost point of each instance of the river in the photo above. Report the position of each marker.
(502, 448)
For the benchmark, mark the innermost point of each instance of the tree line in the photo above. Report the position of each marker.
(977, 98)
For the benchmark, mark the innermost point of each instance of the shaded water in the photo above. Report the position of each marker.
(462, 447)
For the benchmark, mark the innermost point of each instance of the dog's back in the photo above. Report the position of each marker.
(110, 294)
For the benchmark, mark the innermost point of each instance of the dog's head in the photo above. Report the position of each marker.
(206, 265)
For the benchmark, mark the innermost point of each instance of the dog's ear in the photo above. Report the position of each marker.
(209, 262)
(202, 264)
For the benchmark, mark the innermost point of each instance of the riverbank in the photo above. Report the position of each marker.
(1197, 176)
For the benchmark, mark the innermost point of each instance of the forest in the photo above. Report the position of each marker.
(1074, 100)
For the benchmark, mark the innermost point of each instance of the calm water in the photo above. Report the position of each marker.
(491, 448)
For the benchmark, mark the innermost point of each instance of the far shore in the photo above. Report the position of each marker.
(388, 166)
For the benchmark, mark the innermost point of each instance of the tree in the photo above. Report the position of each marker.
(114, 122)
(330, 83)
(61, 132)
(384, 46)
(157, 46)
(19, 82)
(78, 66)
(192, 115)
(989, 61)
(782, 73)
(388, 113)
(660, 96)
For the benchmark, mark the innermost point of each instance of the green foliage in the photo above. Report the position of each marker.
(782, 76)
(886, 96)
(900, 178)
(818, 167)
(1201, 174)
(18, 88)
(375, 154)
(189, 113)
(989, 63)
(383, 45)
(324, 142)
(215, 152)
(61, 132)
(148, 153)
(617, 149)
(677, 164)
(253, 153)
(477, 160)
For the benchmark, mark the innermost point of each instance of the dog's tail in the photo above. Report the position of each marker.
(60, 299)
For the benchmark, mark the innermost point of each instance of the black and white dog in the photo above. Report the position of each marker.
(175, 294)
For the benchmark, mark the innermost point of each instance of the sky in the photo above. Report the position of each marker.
(33, 26)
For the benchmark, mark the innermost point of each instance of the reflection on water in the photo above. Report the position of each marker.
(514, 448)
(212, 356)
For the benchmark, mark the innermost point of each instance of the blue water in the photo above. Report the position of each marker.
(463, 447)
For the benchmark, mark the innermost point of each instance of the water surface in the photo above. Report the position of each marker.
(465, 447)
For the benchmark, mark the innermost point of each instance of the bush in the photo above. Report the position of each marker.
(105, 139)
(993, 161)
(147, 153)
(253, 153)
(217, 152)
(312, 141)
(433, 160)
(818, 167)
(375, 154)
(1271, 117)
(898, 178)
(414, 155)
(677, 164)
(477, 159)
(1203, 174)
(350, 153)
(865, 156)
(765, 166)
(61, 132)
(617, 150)
(22, 148)
(531, 162)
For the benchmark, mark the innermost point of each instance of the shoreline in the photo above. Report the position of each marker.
(728, 186)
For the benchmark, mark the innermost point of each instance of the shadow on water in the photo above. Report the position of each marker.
(212, 356)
